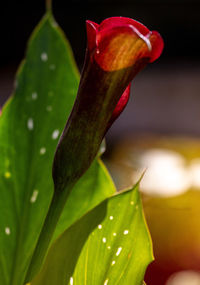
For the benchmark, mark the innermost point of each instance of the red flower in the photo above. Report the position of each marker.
(120, 42)
(117, 50)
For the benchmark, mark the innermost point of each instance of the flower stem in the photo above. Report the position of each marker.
(53, 215)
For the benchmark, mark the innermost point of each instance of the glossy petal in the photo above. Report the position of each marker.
(157, 45)
(120, 105)
(119, 21)
(91, 34)
(119, 42)
(120, 47)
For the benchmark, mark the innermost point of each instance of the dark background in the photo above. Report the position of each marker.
(165, 96)
(177, 21)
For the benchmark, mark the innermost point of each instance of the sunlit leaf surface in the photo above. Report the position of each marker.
(94, 186)
(110, 245)
(30, 126)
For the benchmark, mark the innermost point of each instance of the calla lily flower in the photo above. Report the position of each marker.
(117, 50)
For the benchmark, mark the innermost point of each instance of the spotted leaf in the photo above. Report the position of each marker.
(30, 125)
(110, 245)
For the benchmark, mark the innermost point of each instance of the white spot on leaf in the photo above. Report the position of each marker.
(44, 56)
(7, 231)
(105, 282)
(71, 281)
(34, 95)
(111, 217)
(30, 124)
(108, 247)
(42, 150)
(104, 240)
(113, 262)
(118, 251)
(99, 226)
(114, 234)
(34, 196)
(55, 134)
(126, 232)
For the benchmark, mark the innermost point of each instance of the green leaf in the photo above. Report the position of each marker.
(90, 190)
(30, 126)
(109, 245)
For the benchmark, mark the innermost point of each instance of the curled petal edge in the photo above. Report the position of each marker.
(120, 105)
(118, 21)
(100, 41)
